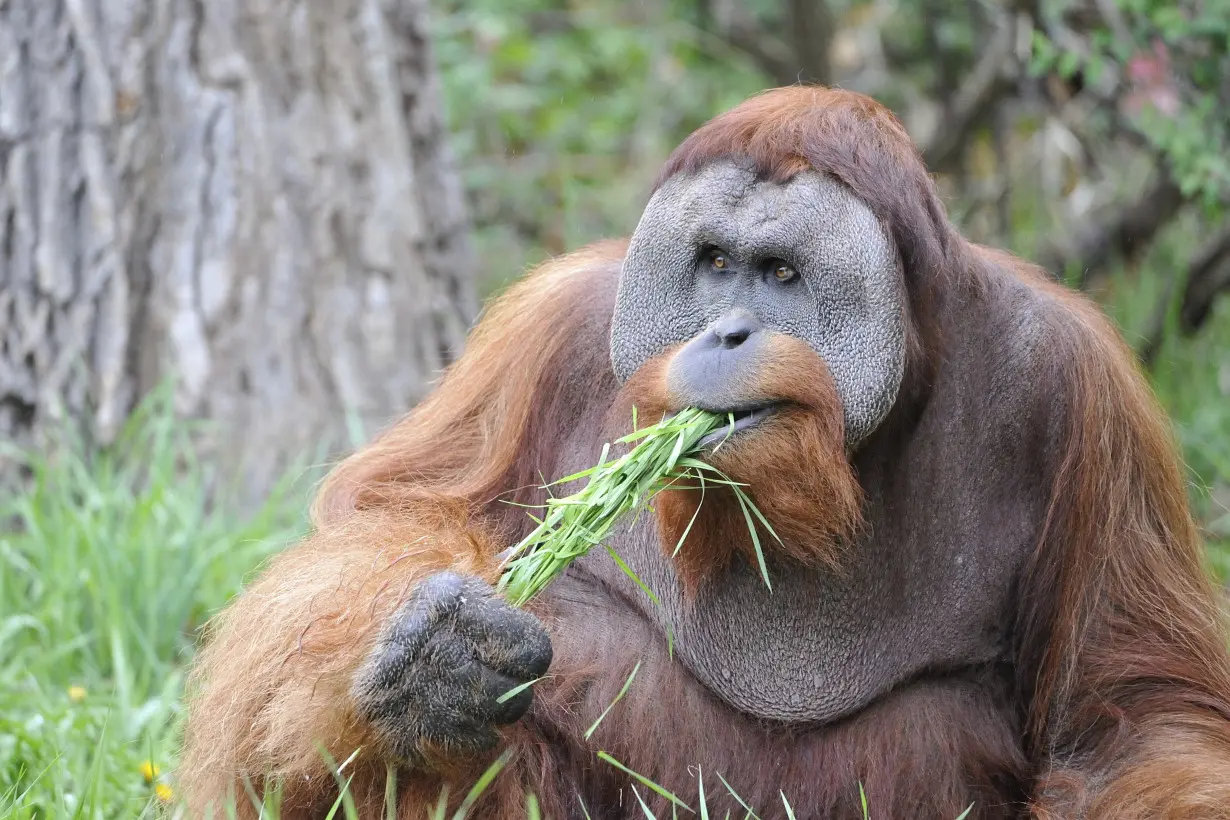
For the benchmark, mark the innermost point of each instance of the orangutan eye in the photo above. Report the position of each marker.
(718, 260)
(783, 273)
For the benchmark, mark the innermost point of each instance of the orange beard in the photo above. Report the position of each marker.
(793, 464)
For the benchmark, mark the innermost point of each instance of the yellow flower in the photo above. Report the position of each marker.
(76, 693)
(164, 792)
(149, 771)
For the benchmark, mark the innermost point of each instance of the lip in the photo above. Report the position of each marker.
(745, 419)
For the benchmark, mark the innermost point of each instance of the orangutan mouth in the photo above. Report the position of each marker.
(745, 419)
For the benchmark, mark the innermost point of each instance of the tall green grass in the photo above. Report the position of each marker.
(108, 565)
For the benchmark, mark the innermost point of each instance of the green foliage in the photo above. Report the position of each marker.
(663, 457)
(1171, 61)
(930, 45)
(112, 564)
(562, 113)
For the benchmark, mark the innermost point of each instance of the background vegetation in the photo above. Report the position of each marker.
(1089, 136)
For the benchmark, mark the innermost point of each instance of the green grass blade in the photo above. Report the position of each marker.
(441, 804)
(700, 788)
(649, 784)
(735, 795)
(759, 516)
(390, 792)
(677, 451)
(482, 784)
(589, 732)
(786, 803)
(342, 797)
(516, 690)
(648, 814)
(632, 574)
(751, 529)
(688, 528)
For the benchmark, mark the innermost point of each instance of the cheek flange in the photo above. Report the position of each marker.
(867, 360)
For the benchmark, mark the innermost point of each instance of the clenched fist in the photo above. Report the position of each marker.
(432, 684)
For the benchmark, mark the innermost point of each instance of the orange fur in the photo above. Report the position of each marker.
(815, 510)
(273, 679)
(1125, 657)
(1122, 679)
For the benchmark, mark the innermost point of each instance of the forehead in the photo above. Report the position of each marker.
(728, 205)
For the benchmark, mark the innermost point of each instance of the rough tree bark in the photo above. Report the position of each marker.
(252, 196)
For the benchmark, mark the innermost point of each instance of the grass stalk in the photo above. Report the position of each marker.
(664, 455)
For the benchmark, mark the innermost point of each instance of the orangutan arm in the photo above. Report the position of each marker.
(285, 662)
(1123, 646)
(275, 679)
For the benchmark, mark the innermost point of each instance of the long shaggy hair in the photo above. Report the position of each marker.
(1119, 702)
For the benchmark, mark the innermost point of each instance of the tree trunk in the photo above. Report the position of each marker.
(254, 197)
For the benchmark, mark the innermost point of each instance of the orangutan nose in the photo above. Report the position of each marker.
(733, 329)
(717, 370)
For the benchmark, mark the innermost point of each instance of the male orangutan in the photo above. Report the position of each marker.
(989, 587)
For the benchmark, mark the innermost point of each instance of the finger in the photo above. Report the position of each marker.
(456, 734)
(444, 673)
(508, 639)
(435, 599)
(494, 686)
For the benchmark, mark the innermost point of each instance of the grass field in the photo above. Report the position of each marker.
(114, 563)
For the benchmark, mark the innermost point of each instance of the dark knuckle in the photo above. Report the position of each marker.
(543, 651)
(443, 591)
(514, 708)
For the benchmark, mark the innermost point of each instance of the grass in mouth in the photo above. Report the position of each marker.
(664, 454)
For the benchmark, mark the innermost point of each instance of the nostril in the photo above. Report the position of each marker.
(734, 338)
(735, 328)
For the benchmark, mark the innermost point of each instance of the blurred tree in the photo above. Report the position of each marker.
(1157, 73)
(563, 111)
(255, 197)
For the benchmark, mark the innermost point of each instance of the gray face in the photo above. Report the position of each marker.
(719, 243)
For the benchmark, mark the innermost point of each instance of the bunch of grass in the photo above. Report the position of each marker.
(664, 455)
